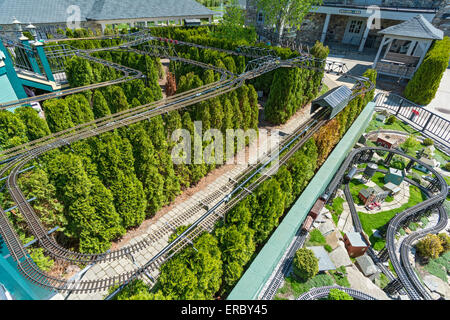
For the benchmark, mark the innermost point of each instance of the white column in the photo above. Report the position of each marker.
(411, 48)
(379, 51)
(427, 46)
(366, 33)
(103, 26)
(388, 48)
(325, 28)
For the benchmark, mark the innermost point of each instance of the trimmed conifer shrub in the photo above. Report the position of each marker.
(423, 86)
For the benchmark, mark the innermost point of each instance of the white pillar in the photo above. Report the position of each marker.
(427, 46)
(366, 33)
(103, 26)
(411, 48)
(388, 48)
(325, 28)
(379, 51)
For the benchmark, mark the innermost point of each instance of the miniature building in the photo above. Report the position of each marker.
(372, 194)
(355, 244)
(367, 266)
(395, 176)
(431, 162)
(386, 142)
(381, 117)
(334, 100)
(325, 262)
(392, 188)
(370, 170)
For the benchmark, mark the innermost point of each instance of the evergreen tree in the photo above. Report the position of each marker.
(12, 130)
(35, 126)
(58, 114)
(99, 105)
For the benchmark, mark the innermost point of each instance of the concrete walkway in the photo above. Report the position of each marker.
(441, 103)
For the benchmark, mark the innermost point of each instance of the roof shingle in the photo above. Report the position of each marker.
(416, 27)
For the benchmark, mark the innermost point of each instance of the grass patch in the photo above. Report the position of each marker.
(424, 221)
(340, 277)
(402, 232)
(336, 208)
(298, 287)
(328, 248)
(380, 220)
(384, 281)
(316, 238)
(355, 187)
(391, 267)
(437, 270)
(413, 226)
(439, 267)
(398, 125)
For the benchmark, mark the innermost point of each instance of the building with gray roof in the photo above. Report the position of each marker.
(98, 14)
(325, 262)
(367, 266)
(406, 45)
(335, 100)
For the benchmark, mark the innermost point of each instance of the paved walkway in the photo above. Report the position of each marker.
(440, 104)
(184, 213)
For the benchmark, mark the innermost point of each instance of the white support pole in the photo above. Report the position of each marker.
(325, 28)
(427, 46)
(388, 48)
(379, 51)
(411, 48)
(366, 33)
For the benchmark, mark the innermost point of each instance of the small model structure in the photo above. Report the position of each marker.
(355, 243)
(372, 194)
(395, 176)
(367, 267)
(392, 188)
(386, 141)
(325, 262)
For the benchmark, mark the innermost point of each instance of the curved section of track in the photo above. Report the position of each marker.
(323, 292)
(402, 267)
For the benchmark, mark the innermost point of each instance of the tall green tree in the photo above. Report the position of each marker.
(36, 127)
(282, 13)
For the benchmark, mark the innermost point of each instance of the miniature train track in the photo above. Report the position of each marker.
(402, 267)
(323, 292)
(21, 155)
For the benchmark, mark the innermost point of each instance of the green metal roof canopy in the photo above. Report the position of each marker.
(336, 99)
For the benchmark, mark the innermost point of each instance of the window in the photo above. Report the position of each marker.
(260, 17)
(355, 26)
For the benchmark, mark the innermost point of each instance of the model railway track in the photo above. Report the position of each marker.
(25, 153)
(323, 292)
(402, 267)
(285, 266)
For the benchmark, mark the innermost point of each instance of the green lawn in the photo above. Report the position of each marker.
(336, 208)
(296, 287)
(355, 187)
(439, 267)
(316, 239)
(377, 220)
(397, 125)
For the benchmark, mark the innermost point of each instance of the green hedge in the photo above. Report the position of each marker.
(423, 86)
